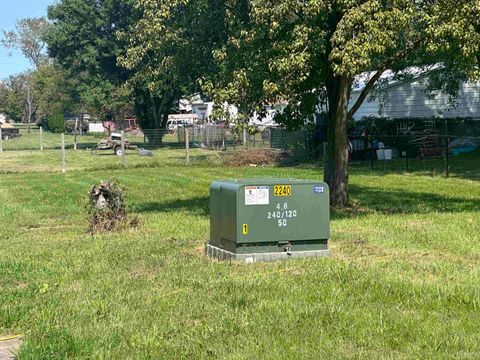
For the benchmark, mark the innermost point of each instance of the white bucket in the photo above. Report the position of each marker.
(388, 154)
(381, 154)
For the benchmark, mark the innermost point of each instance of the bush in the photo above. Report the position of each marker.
(56, 123)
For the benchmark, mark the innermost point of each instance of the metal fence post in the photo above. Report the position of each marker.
(405, 153)
(187, 146)
(64, 166)
(41, 138)
(1, 139)
(123, 147)
(75, 135)
(447, 144)
(207, 134)
(373, 153)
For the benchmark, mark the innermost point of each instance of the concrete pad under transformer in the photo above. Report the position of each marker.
(221, 254)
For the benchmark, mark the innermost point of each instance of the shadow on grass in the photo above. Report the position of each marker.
(195, 205)
(364, 201)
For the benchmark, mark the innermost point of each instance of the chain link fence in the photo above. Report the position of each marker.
(446, 148)
(426, 152)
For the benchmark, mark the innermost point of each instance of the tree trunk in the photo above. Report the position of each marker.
(336, 167)
(155, 112)
(159, 111)
(29, 108)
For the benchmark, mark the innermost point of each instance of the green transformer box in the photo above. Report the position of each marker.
(268, 219)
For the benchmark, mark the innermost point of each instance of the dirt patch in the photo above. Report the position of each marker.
(360, 242)
(142, 271)
(9, 348)
(417, 224)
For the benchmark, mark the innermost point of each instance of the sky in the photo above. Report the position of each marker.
(13, 62)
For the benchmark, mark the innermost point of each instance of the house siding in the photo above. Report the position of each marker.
(410, 100)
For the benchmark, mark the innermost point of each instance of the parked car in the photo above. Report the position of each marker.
(175, 124)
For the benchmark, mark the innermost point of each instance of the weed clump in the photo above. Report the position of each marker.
(107, 210)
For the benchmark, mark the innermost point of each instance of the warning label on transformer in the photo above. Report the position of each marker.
(257, 195)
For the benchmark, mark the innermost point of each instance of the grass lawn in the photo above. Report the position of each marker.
(403, 281)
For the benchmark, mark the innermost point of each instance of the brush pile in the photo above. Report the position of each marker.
(254, 157)
(106, 208)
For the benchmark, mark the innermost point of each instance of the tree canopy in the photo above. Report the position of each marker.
(308, 52)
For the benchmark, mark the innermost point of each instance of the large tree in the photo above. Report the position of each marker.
(12, 98)
(170, 48)
(28, 37)
(304, 51)
(38, 94)
(83, 40)
(55, 92)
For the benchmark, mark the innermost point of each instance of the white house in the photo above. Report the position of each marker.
(409, 99)
(202, 109)
(269, 118)
(3, 119)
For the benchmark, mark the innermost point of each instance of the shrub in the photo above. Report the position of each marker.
(56, 123)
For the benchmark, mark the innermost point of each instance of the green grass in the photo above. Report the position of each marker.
(403, 281)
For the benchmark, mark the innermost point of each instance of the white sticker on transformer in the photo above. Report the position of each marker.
(257, 195)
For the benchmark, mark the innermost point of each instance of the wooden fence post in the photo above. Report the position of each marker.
(1, 139)
(41, 138)
(75, 135)
(64, 165)
(123, 147)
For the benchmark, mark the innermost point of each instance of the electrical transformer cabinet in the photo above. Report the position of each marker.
(268, 219)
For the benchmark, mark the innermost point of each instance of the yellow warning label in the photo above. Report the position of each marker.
(245, 229)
